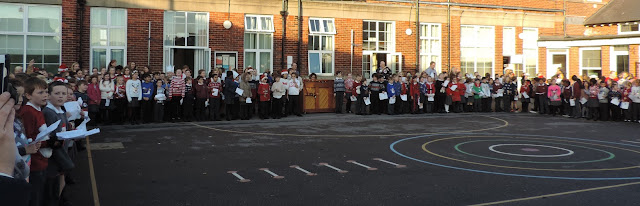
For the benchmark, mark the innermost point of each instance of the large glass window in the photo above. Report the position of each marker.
(108, 36)
(591, 61)
(378, 36)
(186, 29)
(31, 32)
(430, 45)
(508, 41)
(477, 49)
(258, 42)
(530, 50)
(628, 28)
(321, 45)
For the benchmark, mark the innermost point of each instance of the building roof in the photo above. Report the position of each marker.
(616, 11)
(572, 38)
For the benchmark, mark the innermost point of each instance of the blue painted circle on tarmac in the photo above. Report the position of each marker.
(514, 174)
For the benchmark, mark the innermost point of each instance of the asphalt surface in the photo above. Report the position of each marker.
(451, 159)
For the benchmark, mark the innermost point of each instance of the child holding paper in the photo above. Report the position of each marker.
(201, 91)
(60, 160)
(566, 97)
(229, 93)
(554, 92)
(486, 95)
(430, 92)
(363, 97)
(93, 92)
(525, 91)
(134, 95)
(120, 100)
(477, 96)
(603, 99)
(355, 92)
(265, 97)
(397, 87)
(278, 90)
(107, 89)
(245, 98)
(214, 87)
(635, 98)
(616, 95)
(576, 93)
(422, 84)
(25, 148)
(509, 89)
(468, 95)
(188, 100)
(375, 88)
(384, 101)
(455, 90)
(404, 91)
(159, 97)
(592, 102)
(543, 99)
(348, 85)
(176, 93)
(147, 99)
(414, 91)
(33, 123)
(625, 105)
(391, 93)
(295, 85)
(497, 94)
(338, 91)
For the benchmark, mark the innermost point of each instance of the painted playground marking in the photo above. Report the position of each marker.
(332, 167)
(303, 170)
(361, 165)
(240, 178)
(275, 176)
(391, 163)
(493, 149)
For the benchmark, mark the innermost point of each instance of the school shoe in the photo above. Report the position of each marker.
(533, 112)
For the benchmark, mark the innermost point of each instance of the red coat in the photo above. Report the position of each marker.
(404, 89)
(214, 85)
(355, 85)
(414, 89)
(455, 94)
(264, 92)
(431, 88)
(94, 94)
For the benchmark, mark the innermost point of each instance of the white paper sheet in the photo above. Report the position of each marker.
(77, 134)
(239, 91)
(367, 101)
(572, 102)
(44, 135)
(215, 92)
(601, 96)
(74, 109)
(454, 87)
(107, 102)
(404, 97)
(583, 101)
(515, 98)
(354, 98)
(525, 95)
(392, 100)
(249, 100)
(446, 83)
(615, 101)
(161, 97)
(383, 96)
(624, 105)
(431, 98)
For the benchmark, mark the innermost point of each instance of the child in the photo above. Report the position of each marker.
(214, 87)
(354, 92)
(429, 95)
(635, 98)
(486, 95)
(134, 95)
(188, 99)
(265, 97)
(616, 96)
(593, 103)
(107, 89)
(455, 90)
(397, 86)
(469, 95)
(375, 87)
(509, 89)
(176, 93)
(383, 89)
(625, 105)
(497, 94)
(566, 97)
(404, 92)
(414, 91)
(363, 95)
(147, 99)
(33, 123)
(53, 112)
(201, 91)
(525, 91)
(553, 92)
(603, 99)
(348, 85)
(94, 100)
(543, 99)
(477, 92)
(159, 97)
(278, 90)
(245, 99)
(295, 85)
(338, 91)
(229, 93)
(391, 93)
(25, 149)
(576, 93)
(120, 100)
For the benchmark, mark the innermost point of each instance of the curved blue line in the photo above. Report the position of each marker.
(509, 174)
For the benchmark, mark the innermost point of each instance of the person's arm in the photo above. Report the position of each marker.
(7, 142)
(128, 90)
(140, 91)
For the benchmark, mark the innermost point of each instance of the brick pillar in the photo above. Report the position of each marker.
(542, 61)
(574, 62)
(70, 33)
(499, 65)
(606, 60)
(455, 43)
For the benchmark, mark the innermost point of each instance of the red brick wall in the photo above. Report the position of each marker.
(221, 39)
(633, 58)
(70, 35)
(137, 34)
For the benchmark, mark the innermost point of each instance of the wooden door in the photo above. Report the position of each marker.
(318, 96)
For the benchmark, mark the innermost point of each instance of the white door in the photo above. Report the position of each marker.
(557, 59)
(619, 59)
(202, 60)
(395, 62)
(168, 59)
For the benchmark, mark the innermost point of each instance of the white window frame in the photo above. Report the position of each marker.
(25, 32)
(535, 46)
(108, 48)
(321, 26)
(428, 37)
(475, 63)
(628, 32)
(580, 59)
(614, 57)
(186, 25)
(321, 52)
(512, 47)
(259, 31)
(391, 46)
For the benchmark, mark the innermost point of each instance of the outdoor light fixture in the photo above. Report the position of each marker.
(227, 24)
(408, 32)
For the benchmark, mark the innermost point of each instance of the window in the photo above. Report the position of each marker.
(430, 45)
(321, 45)
(477, 49)
(258, 42)
(508, 41)
(378, 36)
(186, 29)
(530, 51)
(31, 32)
(591, 61)
(108, 36)
(628, 28)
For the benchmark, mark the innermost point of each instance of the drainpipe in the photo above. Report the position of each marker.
(564, 15)
(149, 45)
(351, 51)
(284, 13)
(299, 33)
(417, 36)
(449, 33)
(81, 4)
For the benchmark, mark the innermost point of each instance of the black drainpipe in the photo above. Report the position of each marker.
(81, 5)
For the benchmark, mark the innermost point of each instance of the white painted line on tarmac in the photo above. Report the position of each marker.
(388, 162)
(240, 178)
(361, 165)
(303, 170)
(630, 141)
(275, 176)
(334, 168)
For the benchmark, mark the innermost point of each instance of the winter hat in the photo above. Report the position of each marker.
(63, 68)
(263, 77)
(284, 71)
(60, 79)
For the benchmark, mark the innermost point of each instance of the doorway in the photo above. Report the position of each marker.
(620, 59)
(558, 62)
(371, 61)
(183, 57)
